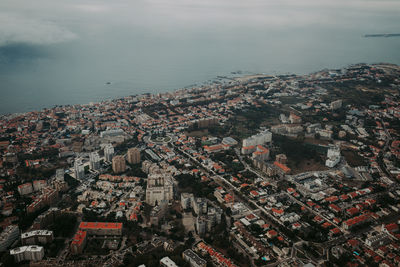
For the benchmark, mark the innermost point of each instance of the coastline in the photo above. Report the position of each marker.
(221, 80)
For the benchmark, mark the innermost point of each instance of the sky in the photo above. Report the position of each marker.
(47, 22)
(64, 51)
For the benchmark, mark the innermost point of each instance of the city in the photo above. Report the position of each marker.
(260, 170)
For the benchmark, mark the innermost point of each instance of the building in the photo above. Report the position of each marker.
(377, 240)
(258, 139)
(133, 155)
(336, 104)
(281, 158)
(94, 161)
(229, 141)
(25, 189)
(157, 214)
(45, 219)
(333, 157)
(293, 118)
(112, 133)
(261, 153)
(205, 123)
(118, 164)
(39, 185)
(27, 253)
(167, 262)
(160, 189)
(193, 259)
(201, 225)
(199, 206)
(78, 242)
(60, 175)
(186, 200)
(101, 228)
(48, 198)
(37, 237)
(108, 152)
(8, 236)
(79, 169)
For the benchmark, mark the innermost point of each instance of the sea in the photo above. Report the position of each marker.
(80, 51)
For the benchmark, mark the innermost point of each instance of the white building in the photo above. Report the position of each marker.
(258, 139)
(336, 104)
(333, 157)
(29, 253)
(94, 161)
(199, 206)
(79, 169)
(39, 185)
(167, 262)
(37, 237)
(324, 133)
(186, 200)
(60, 175)
(160, 189)
(112, 133)
(109, 152)
(201, 225)
(193, 259)
(25, 189)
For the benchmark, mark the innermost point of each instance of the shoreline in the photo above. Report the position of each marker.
(219, 80)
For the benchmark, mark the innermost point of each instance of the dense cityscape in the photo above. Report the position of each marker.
(260, 170)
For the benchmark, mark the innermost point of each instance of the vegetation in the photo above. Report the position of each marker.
(64, 225)
(191, 184)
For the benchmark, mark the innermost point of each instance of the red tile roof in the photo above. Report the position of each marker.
(100, 225)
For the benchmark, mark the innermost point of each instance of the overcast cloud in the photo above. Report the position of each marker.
(43, 22)
(19, 29)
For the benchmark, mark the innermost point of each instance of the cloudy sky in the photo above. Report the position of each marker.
(68, 49)
(42, 22)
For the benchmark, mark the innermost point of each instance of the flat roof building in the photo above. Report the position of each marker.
(101, 228)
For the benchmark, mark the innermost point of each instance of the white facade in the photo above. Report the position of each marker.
(258, 139)
(25, 189)
(333, 157)
(39, 185)
(336, 104)
(186, 200)
(201, 225)
(94, 161)
(60, 174)
(79, 169)
(167, 262)
(30, 253)
(109, 152)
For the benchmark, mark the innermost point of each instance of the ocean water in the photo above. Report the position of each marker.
(65, 52)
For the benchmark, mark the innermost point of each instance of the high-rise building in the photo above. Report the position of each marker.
(60, 174)
(201, 225)
(193, 259)
(160, 189)
(94, 161)
(79, 169)
(78, 242)
(8, 236)
(29, 253)
(118, 164)
(133, 156)
(109, 152)
(37, 237)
